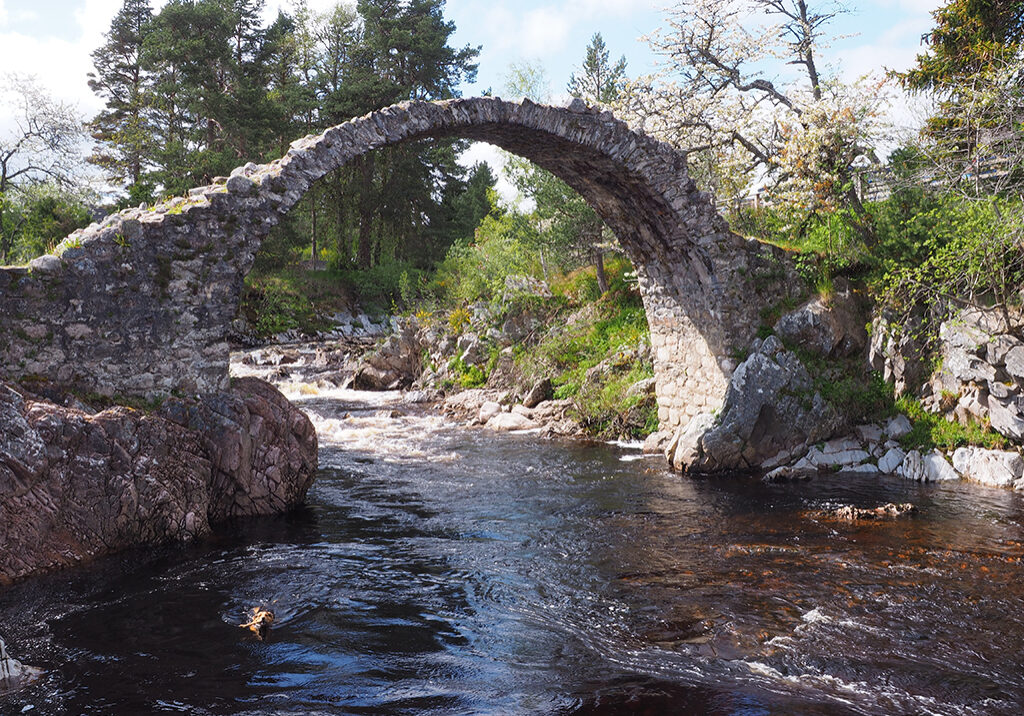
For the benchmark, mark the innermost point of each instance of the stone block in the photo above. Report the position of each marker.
(898, 426)
(1005, 418)
(868, 433)
(996, 468)
(890, 462)
(913, 467)
(937, 468)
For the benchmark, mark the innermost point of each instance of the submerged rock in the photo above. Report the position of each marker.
(75, 485)
(888, 511)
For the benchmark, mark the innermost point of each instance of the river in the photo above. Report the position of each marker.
(446, 570)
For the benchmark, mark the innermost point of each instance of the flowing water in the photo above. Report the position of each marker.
(440, 569)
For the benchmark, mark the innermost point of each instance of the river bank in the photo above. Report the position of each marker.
(82, 479)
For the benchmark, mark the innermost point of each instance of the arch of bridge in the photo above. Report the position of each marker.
(141, 303)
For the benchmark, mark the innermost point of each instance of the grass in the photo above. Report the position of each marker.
(931, 430)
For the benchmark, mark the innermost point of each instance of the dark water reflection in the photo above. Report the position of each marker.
(505, 574)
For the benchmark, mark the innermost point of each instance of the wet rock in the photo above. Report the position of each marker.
(74, 486)
(511, 421)
(13, 673)
(888, 511)
(937, 468)
(995, 468)
(488, 410)
(803, 469)
(913, 467)
(863, 469)
(542, 390)
(417, 397)
(655, 443)
(467, 403)
(397, 363)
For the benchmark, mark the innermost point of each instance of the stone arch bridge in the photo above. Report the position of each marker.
(140, 304)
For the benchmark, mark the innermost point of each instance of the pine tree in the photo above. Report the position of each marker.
(598, 82)
(122, 128)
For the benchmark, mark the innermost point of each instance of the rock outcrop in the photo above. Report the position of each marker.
(771, 412)
(76, 484)
(396, 363)
(831, 328)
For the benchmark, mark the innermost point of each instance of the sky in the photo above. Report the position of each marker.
(52, 39)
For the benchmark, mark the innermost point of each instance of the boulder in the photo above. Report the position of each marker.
(471, 349)
(397, 363)
(912, 467)
(890, 462)
(770, 406)
(898, 354)
(869, 433)
(898, 426)
(965, 367)
(467, 403)
(999, 346)
(13, 673)
(656, 443)
(937, 468)
(542, 390)
(511, 421)
(833, 327)
(995, 468)
(1006, 418)
(75, 485)
(802, 470)
(488, 410)
(865, 469)
(1014, 363)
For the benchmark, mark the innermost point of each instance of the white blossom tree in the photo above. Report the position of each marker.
(799, 130)
(44, 146)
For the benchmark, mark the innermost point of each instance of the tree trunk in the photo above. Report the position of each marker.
(602, 279)
(312, 215)
(341, 229)
(366, 212)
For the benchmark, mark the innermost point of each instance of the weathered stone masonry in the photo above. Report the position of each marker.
(140, 304)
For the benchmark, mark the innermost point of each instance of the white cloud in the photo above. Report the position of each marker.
(493, 156)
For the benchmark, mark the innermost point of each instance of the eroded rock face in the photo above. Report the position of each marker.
(830, 328)
(75, 485)
(770, 409)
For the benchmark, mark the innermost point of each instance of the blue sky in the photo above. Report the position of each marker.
(52, 39)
